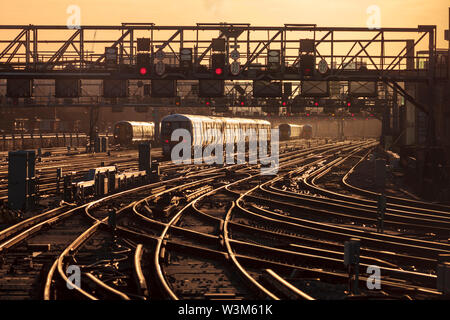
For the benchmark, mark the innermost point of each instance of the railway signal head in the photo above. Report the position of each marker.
(307, 64)
(242, 101)
(218, 63)
(143, 64)
(143, 71)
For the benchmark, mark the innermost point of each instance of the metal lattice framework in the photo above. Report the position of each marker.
(56, 51)
(388, 55)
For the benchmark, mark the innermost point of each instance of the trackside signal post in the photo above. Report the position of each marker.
(381, 209)
(351, 260)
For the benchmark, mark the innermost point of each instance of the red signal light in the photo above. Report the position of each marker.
(348, 104)
(307, 114)
(316, 104)
(207, 103)
(242, 103)
(218, 71)
(284, 104)
(143, 71)
(353, 114)
(166, 141)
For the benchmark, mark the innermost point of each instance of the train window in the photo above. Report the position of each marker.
(165, 130)
(183, 125)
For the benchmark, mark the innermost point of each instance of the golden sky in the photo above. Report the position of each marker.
(394, 13)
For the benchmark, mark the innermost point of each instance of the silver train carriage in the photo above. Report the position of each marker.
(293, 131)
(198, 127)
(128, 133)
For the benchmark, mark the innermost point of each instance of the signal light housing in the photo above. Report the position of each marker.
(143, 64)
(307, 64)
(143, 71)
(242, 101)
(218, 63)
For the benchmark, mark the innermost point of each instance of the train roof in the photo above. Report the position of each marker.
(136, 123)
(184, 117)
(293, 125)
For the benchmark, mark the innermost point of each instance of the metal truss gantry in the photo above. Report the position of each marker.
(50, 52)
(393, 56)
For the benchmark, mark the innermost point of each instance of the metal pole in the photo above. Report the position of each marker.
(431, 76)
(82, 48)
(27, 48)
(35, 47)
(395, 113)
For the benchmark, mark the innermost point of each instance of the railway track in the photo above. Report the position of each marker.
(403, 250)
(215, 232)
(165, 234)
(396, 279)
(26, 249)
(39, 240)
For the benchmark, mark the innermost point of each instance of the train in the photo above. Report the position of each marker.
(293, 131)
(198, 127)
(129, 133)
